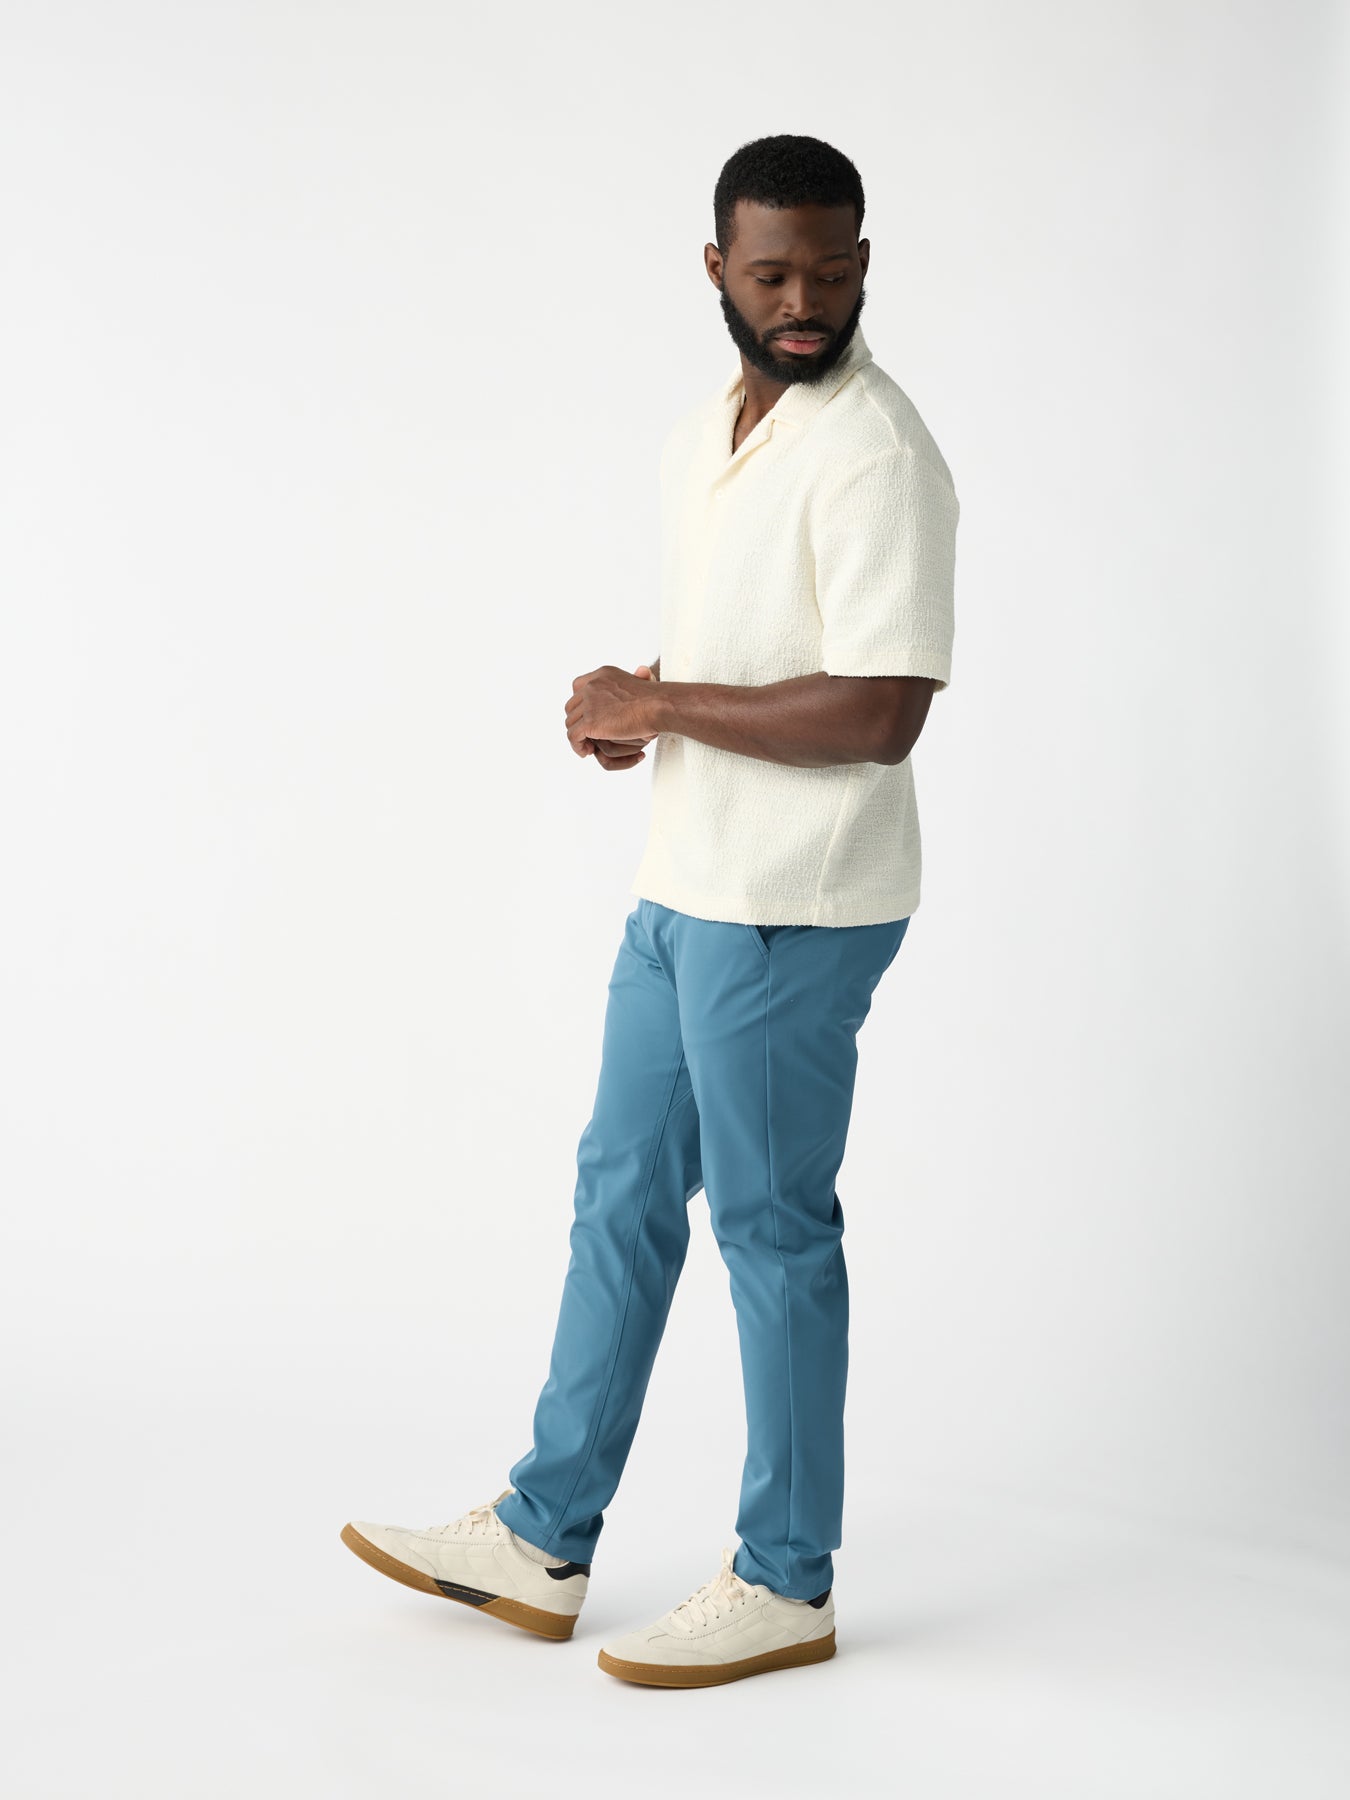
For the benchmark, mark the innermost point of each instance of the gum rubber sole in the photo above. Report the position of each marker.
(512, 1612)
(684, 1675)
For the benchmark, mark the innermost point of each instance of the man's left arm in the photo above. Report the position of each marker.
(811, 721)
(882, 536)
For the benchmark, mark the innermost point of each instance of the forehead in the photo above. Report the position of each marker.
(784, 233)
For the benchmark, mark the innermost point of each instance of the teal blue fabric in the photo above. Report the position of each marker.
(727, 1067)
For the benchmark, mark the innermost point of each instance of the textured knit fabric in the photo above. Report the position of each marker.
(826, 541)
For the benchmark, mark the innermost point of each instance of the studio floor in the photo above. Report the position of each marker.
(991, 1649)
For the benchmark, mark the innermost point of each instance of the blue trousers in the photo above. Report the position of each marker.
(727, 1066)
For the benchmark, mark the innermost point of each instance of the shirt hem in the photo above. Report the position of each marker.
(738, 910)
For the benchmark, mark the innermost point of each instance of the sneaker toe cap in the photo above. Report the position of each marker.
(648, 1646)
(395, 1540)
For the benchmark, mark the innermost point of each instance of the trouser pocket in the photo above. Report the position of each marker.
(762, 935)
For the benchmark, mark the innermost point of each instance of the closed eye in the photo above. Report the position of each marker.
(829, 280)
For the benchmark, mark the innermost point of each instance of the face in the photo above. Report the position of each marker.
(791, 287)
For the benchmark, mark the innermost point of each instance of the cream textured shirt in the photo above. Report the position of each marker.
(827, 541)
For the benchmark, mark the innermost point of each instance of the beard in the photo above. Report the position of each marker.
(784, 366)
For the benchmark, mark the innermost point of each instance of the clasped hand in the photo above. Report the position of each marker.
(607, 716)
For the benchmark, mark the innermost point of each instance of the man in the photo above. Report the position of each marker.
(808, 527)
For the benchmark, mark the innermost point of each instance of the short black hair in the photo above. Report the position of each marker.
(784, 171)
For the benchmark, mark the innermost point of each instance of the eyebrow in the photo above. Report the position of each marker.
(778, 262)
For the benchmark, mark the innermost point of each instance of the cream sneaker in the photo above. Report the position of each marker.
(481, 1563)
(728, 1629)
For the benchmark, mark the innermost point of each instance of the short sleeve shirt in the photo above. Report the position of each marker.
(826, 541)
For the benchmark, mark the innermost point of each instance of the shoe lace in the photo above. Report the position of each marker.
(725, 1590)
(468, 1523)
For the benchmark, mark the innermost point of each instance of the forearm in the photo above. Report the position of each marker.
(811, 721)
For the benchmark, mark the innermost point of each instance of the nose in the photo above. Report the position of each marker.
(801, 298)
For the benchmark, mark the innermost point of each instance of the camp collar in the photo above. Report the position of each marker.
(801, 399)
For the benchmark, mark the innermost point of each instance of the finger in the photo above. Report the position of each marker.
(619, 762)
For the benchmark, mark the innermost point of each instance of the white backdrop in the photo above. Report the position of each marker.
(339, 346)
